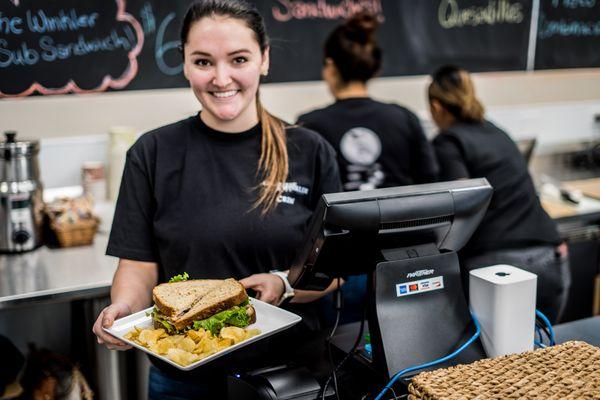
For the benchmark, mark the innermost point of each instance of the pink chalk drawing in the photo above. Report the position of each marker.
(108, 82)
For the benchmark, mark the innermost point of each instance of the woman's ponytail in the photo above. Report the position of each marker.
(273, 163)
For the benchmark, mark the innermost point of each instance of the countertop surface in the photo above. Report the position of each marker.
(559, 209)
(85, 271)
(587, 330)
(56, 274)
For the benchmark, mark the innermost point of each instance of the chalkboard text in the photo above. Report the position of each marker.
(287, 10)
(68, 46)
(450, 15)
(40, 22)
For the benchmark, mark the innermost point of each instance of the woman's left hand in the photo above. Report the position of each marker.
(268, 287)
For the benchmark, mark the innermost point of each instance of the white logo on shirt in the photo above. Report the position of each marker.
(292, 187)
(288, 190)
(286, 199)
(360, 146)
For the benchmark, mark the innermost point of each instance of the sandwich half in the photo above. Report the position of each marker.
(210, 304)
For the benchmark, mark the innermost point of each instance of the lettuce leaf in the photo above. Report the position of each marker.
(179, 278)
(156, 316)
(235, 316)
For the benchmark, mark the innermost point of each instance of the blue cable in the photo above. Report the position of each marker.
(539, 344)
(548, 324)
(435, 362)
(539, 333)
(460, 349)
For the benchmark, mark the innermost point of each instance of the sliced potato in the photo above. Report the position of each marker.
(190, 347)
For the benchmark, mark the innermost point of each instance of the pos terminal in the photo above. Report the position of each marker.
(405, 239)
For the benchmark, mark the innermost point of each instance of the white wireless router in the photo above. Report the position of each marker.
(502, 297)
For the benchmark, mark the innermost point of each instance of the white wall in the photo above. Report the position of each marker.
(556, 106)
(74, 115)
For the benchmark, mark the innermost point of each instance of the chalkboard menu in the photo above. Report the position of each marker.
(478, 35)
(62, 46)
(568, 34)
(66, 46)
(416, 36)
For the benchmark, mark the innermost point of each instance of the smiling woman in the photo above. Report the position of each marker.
(225, 193)
(223, 63)
(226, 50)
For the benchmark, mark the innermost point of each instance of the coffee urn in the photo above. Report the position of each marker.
(21, 202)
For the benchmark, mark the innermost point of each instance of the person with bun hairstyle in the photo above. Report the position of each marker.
(225, 193)
(378, 144)
(515, 230)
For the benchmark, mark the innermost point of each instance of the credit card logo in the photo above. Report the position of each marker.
(419, 287)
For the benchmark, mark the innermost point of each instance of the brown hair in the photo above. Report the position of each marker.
(273, 162)
(353, 48)
(453, 88)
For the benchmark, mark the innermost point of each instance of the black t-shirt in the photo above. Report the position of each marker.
(514, 217)
(186, 201)
(378, 144)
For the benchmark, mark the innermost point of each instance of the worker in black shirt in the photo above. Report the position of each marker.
(378, 144)
(224, 193)
(515, 230)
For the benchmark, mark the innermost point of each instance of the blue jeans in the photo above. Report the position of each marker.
(164, 387)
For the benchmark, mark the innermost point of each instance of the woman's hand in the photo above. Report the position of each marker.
(268, 287)
(105, 320)
(562, 251)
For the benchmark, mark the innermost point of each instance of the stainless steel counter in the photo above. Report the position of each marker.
(45, 276)
(56, 274)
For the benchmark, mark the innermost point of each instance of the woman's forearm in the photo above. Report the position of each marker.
(306, 296)
(133, 283)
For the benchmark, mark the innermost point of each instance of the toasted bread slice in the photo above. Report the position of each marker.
(227, 294)
(176, 298)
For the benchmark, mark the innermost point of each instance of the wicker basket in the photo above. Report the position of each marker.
(80, 233)
(567, 371)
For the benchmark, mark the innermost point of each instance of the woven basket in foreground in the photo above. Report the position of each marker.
(567, 371)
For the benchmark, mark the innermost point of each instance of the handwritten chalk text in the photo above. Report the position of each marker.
(40, 22)
(450, 15)
(49, 50)
(320, 9)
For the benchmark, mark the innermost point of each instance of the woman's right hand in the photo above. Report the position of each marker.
(105, 320)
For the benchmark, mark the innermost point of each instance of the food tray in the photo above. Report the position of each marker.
(269, 320)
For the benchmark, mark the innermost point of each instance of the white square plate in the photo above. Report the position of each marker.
(269, 320)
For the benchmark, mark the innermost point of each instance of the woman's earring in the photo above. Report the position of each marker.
(265, 73)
